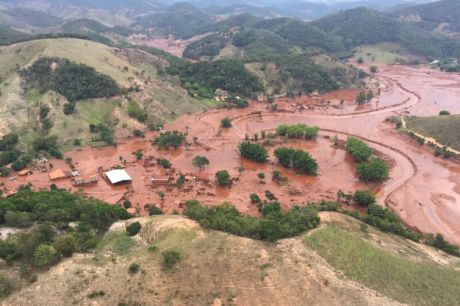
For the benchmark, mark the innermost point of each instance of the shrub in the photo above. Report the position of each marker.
(135, 111)
(373, 69)
(255, 199)
(374, 170)
(299, 160)
(358, 149)
(439, 242)
(66, 245)
(170, 259)
(444, 113)
(166, 164)
(274, 224)
(138, 133)
(298, 131)
(126, 204)
(261, 176)
(364, 197)
(226, 122)
(77, 142)
(169, 139)
(138, 155)
(133, 228)
(134, 268)
(154, 210)
(45, 255)
(223, 178)
(253, 152)
(4, 171)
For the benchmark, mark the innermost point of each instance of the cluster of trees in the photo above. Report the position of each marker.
(298, 131)
(298, 160)
(45, 217)
(309, 76)
(202, 79)
(274, 224)
(105, 133)
(169, 139)
(10, 155)
(73, 81)
(253, 151)
(364, 98)
(370, 168)
(209, 46)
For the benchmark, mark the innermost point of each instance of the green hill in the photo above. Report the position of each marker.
(443, 15)
(363, 26)
(140, 75)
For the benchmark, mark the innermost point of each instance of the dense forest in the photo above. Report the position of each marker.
(203, 78)
(46, 217)
(73, 81)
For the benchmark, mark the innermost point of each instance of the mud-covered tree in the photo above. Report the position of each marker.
(298, 160)
(223, 178)
(253, 152)
(374, 170)
(226, 122)
(364, 197)
(261, 176)
(200, 162)
(358, 149)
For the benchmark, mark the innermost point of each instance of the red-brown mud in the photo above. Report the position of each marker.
(423, 190)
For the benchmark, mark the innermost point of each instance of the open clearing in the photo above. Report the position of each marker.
(441, 128)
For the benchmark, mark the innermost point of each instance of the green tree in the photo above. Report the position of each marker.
(45, 255)
(66, 245)
(374, 170)
(358, 149)
(253, 151)
(223, 178)
(133, 229)
(170, 258)
(226, 122)
(255, 199)
(364, 197)
(261, 176)
(200, 162)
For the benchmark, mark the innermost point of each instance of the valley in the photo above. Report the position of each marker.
(413, 169)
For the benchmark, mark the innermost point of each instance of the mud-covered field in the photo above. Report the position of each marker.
(423, 189)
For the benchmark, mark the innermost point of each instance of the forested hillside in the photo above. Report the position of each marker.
(431, 15)
(8, 35)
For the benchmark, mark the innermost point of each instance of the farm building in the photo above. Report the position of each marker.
(57, 175)
(83, 181)
(25, 172)
(118, 176)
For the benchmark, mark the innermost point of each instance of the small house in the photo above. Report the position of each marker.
(58, 174)
(25, 172)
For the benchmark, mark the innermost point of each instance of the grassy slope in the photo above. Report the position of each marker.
(408, 280)
(439, 127)
(237, 270)
(386, 53)
(160, 97)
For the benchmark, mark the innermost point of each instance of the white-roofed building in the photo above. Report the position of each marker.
(118, 176)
